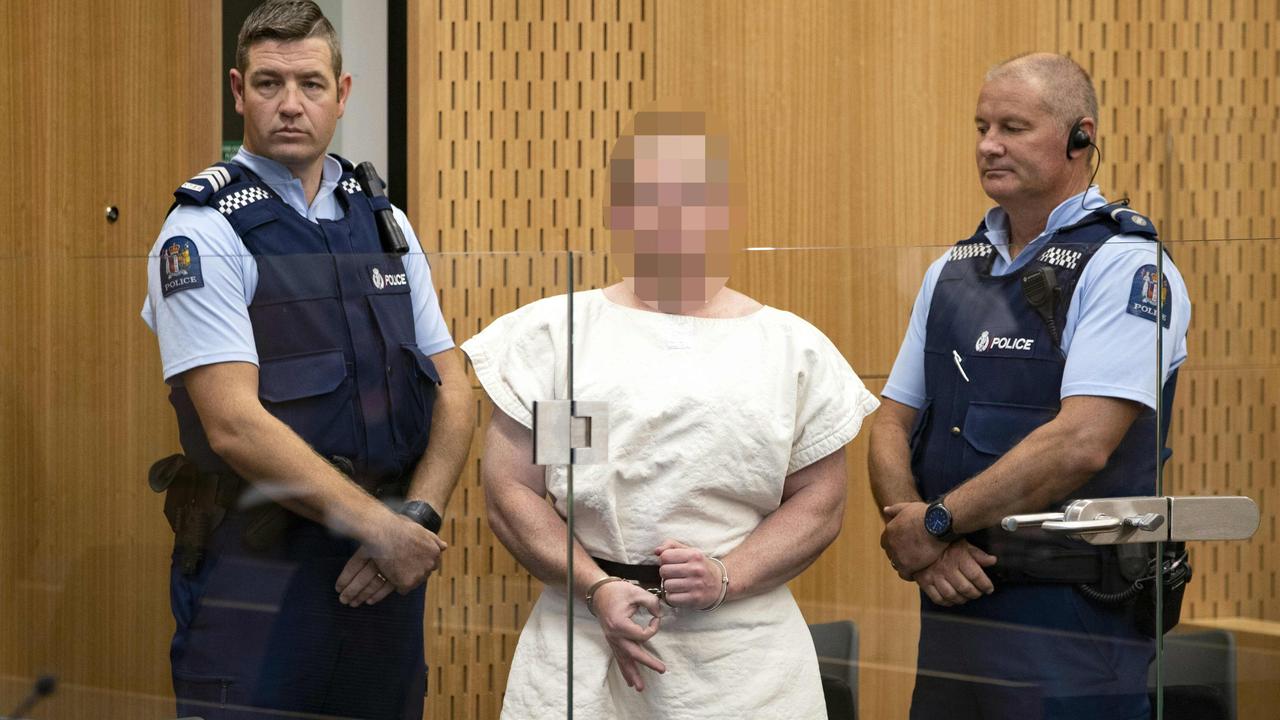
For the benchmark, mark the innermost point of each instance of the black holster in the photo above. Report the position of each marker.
(195, 504)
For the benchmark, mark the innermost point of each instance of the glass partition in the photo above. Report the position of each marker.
(866, 620)
(88, 551)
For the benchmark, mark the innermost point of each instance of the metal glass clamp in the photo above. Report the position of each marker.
(570, 432)
(1144, 519)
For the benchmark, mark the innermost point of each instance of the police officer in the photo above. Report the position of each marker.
(323, 410)
(1025, 380)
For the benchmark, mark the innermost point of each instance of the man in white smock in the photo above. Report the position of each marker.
(726, 471)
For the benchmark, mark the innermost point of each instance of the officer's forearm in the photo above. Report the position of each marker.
(282, 466)
(1047, 466)
(889, 458)
(271, 456)
(452, 426)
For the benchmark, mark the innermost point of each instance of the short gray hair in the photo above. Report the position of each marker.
(287, 20)
(1065, 88)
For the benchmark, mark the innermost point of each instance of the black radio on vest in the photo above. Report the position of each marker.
(388, 230)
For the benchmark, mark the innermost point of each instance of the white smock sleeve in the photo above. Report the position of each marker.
(831, 403)
(516, 358)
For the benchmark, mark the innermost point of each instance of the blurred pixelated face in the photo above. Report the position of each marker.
(669, 217)
(1021, 148)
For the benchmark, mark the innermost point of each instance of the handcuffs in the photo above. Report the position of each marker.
(661, 590)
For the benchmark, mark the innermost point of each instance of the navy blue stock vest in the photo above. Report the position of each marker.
(333, 324)
(981, 327)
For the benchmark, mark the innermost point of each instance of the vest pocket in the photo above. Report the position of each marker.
(411, 383)
(992, 429)
(311, 393)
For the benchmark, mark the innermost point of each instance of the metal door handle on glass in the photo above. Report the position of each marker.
(1146, 519)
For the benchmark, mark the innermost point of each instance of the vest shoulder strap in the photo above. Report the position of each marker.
(351, 186)
(1118, 218)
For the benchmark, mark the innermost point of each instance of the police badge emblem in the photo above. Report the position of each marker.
(179, 265)
(1149, 295)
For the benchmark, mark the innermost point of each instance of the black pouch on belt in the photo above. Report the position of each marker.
(195, 503)
(1174, 577)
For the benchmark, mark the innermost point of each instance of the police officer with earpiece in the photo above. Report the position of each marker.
(1025, 380)
(323, 411)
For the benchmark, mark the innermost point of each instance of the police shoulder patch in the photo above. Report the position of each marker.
(1149, 295)
(179, 265)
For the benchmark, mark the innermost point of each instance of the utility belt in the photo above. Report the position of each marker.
(197, 502)
(1107, 574)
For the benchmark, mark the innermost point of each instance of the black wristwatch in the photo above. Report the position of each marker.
(423, 514)
(937, 521)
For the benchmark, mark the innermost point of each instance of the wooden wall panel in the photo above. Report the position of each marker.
(855, 120)
(112, 106)
(1199, 73)
(20, 234)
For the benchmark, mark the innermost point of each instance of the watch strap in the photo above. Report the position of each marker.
(422, 513)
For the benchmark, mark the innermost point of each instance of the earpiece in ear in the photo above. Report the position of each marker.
(1077, 139)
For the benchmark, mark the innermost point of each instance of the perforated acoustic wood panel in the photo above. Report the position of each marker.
(514, 106)
(1225, 204)
(1189, 128)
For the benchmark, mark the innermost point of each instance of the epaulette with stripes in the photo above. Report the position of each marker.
(201, 188)
(232, 190)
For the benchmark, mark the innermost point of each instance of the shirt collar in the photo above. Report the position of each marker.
(1068, 212)
(282, 181)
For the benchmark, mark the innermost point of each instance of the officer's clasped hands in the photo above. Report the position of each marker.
(957, 577)
(399, 556)
(949, 573)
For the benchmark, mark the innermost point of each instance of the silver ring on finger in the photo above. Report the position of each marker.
(380, 576)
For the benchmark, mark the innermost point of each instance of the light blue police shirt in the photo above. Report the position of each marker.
(1110, 352)
(210, 324)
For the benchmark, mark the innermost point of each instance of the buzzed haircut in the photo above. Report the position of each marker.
(286, 21)
(1066, 89)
